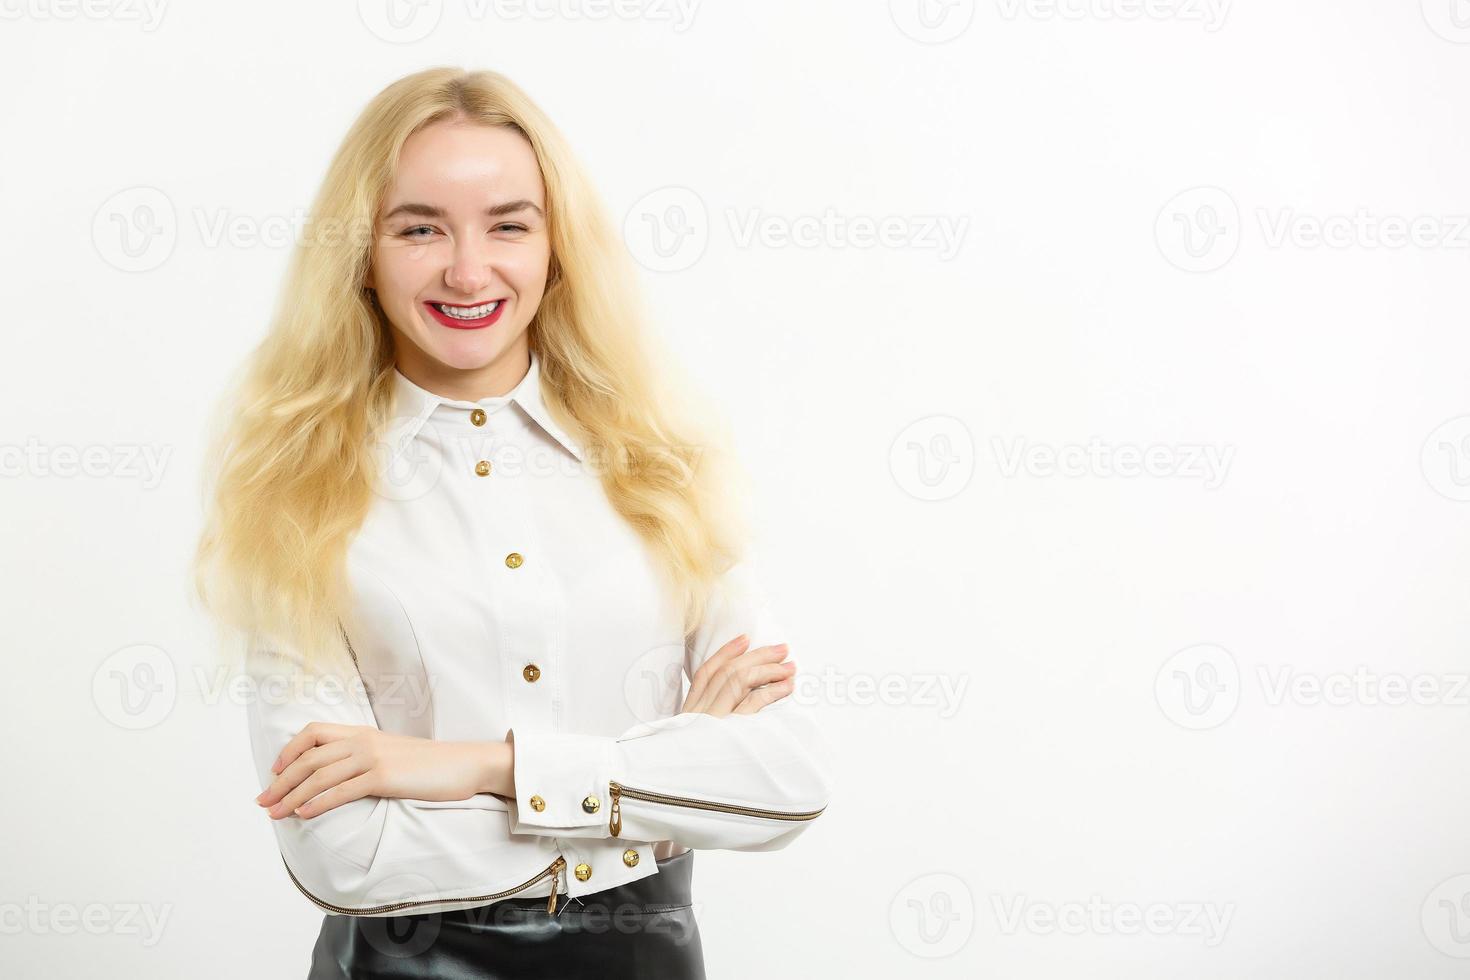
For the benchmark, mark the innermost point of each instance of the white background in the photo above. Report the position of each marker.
(1136, 729)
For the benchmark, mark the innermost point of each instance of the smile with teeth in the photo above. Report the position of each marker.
(468, 312)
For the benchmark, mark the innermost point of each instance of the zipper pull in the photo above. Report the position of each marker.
(556, 867)
(615, 818)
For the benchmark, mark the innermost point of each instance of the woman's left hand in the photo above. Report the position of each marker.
(326, 765)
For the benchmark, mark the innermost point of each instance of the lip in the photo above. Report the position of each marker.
(483, 321)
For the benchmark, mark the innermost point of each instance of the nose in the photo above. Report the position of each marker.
(471, 268)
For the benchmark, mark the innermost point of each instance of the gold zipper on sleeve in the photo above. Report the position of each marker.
(617, 791)
(553, 870)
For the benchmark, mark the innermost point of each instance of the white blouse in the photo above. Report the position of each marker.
(496, 593)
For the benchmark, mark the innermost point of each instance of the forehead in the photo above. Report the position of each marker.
(467, 163)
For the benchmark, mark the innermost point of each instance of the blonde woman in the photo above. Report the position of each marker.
(473, 538)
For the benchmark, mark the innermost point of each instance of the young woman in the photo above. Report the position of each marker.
(474, 538)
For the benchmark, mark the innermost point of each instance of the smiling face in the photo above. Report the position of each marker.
(460, 257)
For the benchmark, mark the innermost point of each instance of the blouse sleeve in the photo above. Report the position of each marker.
(368, 856)
(742, 782)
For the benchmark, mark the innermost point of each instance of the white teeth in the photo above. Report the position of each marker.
(467, 312)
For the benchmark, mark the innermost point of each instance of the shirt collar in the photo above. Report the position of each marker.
(419, 403)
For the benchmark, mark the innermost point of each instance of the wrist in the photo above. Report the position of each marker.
(495, 773)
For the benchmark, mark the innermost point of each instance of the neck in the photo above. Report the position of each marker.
(492, 380)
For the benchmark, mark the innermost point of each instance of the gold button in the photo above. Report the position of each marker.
(590, 804)
(630, 857)
(483, 467)
(478, 416)
(538, 804)
(514, 559)
(584, 871)
(530, 672)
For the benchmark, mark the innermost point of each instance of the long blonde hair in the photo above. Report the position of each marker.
(291, 475)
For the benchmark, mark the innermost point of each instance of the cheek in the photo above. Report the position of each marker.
(400, 273)
(526, 273)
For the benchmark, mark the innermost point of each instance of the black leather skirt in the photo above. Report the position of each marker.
(644, 928)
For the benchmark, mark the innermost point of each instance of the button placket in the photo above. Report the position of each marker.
(516, 583)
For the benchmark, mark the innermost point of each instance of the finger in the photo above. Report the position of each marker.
(334, 796)
(700, 681)
(739, 681)
(301, 770)
(320, 781)
(315, 733)
(708, 696)
(762, 696)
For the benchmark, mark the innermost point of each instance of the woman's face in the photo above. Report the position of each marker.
(462, 226)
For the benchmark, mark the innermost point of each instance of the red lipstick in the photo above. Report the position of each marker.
(459, 323)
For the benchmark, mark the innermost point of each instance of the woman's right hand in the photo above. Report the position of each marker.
(740, 681)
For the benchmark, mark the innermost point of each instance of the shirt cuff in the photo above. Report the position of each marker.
(561, 782)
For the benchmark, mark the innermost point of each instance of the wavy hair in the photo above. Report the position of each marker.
(290, 473)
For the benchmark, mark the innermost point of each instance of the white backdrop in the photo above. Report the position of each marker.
(1103, 366)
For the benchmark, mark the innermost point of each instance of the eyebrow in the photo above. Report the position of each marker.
(494, 211)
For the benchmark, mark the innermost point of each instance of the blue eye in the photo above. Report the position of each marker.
(512, 227)
(409, 233)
